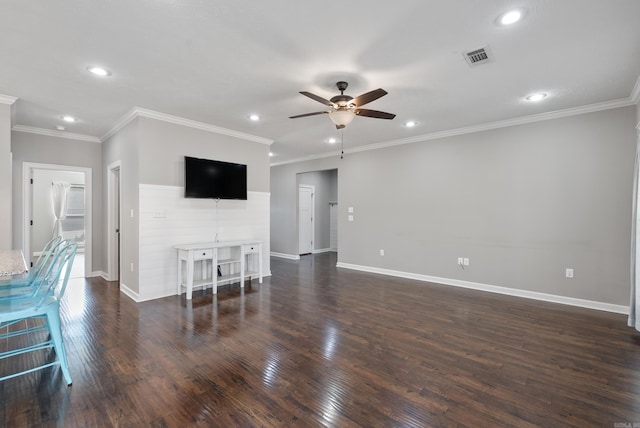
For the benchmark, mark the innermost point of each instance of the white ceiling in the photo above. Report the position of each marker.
(217, 61)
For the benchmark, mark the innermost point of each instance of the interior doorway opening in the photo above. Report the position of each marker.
(322, 232)
(57, 202)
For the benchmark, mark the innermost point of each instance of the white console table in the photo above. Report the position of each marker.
(236, 260)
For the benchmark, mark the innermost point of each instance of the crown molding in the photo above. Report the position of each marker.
(591, 108)
(311, 157)
(120, 123)
(142, 112)
(54, 133)
(635, 93)
(7, 99)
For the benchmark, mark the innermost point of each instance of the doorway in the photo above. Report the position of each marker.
(113, 222)
(305, 219)
(57, 200)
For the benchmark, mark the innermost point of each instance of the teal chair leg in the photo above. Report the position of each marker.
(53, 321)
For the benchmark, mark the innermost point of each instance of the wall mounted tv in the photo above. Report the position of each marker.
(213, 179)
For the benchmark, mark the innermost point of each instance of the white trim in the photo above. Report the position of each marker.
(313, 215)
(129, 293)
(635, 92)
(7, 99)
(112, 214)
(120, 123)
(142, 112)
(591, 108)
(27, 172)
(55, 133)
(590, 304)
(285, 256)
(322, 250)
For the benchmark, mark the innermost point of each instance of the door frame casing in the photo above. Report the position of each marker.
(313, 214)
(27, 196)
(112, 214)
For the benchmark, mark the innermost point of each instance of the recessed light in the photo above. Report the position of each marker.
(332, 140)
(510, 17)
(60, 128)
(536, 97)
(270, 154)
(69, 119)
(410, 123)
(99, 71)
(254, 117)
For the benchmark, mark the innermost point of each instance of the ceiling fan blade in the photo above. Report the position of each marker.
(308, 114)
(318, 98)
(374, 113)
(368, 97)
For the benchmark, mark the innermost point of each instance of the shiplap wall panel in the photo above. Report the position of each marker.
(167, 219)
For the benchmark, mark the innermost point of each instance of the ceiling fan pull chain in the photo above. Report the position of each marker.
(342, 143)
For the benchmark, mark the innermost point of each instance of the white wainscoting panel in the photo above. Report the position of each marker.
(167, 219)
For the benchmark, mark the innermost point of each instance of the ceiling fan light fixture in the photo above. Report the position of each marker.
(342, 118)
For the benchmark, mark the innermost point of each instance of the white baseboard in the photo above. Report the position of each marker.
(129, 293)
(322, 250)
(590, 304)
(285, 256)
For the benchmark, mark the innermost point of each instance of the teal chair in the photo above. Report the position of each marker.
(18, 315)
(46, 256)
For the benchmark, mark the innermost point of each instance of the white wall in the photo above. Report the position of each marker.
(184, 221)
(42, 207)
(5, 177)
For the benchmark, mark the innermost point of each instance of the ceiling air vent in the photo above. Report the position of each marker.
(478, 56)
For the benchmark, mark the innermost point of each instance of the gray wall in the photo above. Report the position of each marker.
(152, 152)
(58, 151)
(163, 147)
(123, 147)
(5, 177)
(523, 203)
(326, 189)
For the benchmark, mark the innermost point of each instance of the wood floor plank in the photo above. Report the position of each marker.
(319, 346)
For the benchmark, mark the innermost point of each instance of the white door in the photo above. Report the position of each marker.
(333, 226)
(305, 219)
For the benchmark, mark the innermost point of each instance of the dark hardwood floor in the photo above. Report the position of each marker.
(318, 346)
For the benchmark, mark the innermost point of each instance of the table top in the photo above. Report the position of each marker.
(219, 244)
(12, 263)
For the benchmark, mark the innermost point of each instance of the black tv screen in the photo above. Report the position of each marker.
(211, 179)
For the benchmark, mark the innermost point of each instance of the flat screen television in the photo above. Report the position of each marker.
(211, 179)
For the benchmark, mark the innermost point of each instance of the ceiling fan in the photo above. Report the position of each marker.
(345, 108)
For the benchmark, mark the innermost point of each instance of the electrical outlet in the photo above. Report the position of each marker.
(568, 273)
(131, 267)
(350, 218)
(382, 252)
(465, 261)
(460, 261)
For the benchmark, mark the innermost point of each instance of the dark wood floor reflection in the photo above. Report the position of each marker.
(317, 346)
